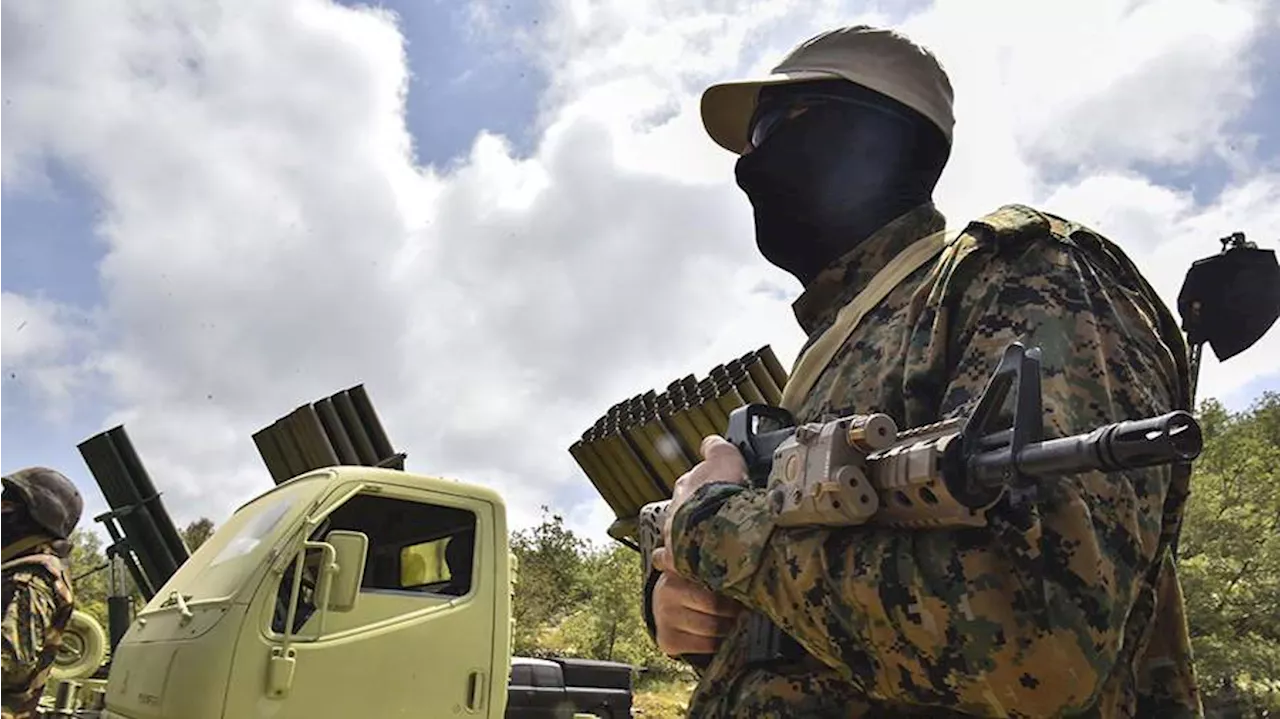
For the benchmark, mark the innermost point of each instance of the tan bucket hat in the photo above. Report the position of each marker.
(879, 59)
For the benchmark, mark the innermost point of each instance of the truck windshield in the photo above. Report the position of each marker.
(225, 560)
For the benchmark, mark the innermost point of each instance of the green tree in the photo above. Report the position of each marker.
(90, 580)
(1229, 557)
(610, 624)
(616, 625)
(197, 532)
(550, 580)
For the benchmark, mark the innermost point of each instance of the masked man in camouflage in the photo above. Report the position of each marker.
(41, 508)
(1067, 602)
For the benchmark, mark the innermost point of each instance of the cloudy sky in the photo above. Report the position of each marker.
(503, 216)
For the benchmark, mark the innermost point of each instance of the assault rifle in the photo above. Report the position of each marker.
(860, 469)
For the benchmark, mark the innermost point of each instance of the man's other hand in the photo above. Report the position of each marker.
(688, 617)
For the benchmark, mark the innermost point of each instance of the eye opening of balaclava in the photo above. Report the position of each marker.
(836, 162)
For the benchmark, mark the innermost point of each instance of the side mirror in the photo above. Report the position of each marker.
(350, 550)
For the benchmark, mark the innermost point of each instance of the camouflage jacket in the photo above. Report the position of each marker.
(37, 606)
(1068, 601)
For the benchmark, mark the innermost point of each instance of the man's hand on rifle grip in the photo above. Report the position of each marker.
(689, 618)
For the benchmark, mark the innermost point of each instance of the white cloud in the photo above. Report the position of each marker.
(271, 242)
(39, 340)
(1070, 77)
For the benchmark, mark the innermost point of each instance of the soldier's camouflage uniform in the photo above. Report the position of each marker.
(1068, 602)
(37, 606)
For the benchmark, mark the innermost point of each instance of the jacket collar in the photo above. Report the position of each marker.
(835, 286)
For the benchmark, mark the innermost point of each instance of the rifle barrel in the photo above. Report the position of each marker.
(1169, 438)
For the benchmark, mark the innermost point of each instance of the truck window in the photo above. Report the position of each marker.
(223, 564)
(547, 676)
(424, 563)
(415, 549)
(251, 534)
(521, 676)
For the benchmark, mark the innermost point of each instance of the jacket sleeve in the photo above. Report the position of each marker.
(27, 617)
(1028, 614)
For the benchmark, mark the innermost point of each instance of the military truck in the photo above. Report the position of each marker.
(352, 589)
(311, 601)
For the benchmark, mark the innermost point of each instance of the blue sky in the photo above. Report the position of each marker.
(462, 81)
(49, 251)
(465, 79)
(534, 141)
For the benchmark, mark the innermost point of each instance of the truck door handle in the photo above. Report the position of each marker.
(475, 690)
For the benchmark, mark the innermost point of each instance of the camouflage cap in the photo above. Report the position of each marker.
(51, 499)
(882, 60)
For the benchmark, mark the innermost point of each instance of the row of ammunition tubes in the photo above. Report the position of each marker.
(636, 451)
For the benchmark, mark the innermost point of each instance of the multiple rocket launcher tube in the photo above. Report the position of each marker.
(636, 451)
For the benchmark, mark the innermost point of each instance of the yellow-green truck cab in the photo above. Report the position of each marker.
(401, 607)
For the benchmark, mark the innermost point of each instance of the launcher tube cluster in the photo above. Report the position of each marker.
(636, 451)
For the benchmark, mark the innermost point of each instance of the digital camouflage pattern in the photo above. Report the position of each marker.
(1068, 602)
(37, 606)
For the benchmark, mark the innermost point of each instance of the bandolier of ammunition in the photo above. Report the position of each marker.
(636, 451)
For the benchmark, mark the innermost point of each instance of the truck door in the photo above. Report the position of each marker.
(420, 639)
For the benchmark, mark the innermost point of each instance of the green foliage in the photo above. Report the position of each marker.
(1229, 556)
(574, 599)
(663, 698)
(90, 581)
(609, 625)
(197, 533)
(551, 581)
(612, 617)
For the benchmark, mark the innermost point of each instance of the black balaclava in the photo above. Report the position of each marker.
(17, 524)
(830, 177)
